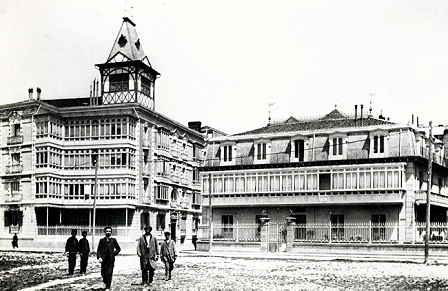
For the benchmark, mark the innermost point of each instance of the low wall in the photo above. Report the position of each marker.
(380, 251)
(229, 246)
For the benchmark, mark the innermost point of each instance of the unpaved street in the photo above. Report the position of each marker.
(216, 273)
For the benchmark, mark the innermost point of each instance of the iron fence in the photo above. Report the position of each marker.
(352, 232)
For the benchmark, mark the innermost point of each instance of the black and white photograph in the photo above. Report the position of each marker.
(223, 145)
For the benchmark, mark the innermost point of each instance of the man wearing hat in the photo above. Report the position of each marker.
(84, 251)
(147, 250)
(71, 248)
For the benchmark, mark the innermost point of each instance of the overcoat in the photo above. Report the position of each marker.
(147, 251)
(168, 251)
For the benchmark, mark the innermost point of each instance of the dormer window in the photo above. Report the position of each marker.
(378, 143)
(227, 153)
(298, 149)
(337, 146)
(262, 151)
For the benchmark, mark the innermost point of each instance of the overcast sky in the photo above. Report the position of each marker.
(223, 62)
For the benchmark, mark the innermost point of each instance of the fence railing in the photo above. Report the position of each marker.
(66, 230)
(353, 232)
(238, 232)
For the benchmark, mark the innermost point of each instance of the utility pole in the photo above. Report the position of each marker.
(210, 221)
(95, 192)
(428, 195)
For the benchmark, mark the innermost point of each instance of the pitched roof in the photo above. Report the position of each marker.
(334, 119)
(127, 45)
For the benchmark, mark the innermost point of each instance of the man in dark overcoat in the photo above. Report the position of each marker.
(148, 251)
(71, 249)
(108, 248)
(84, 251)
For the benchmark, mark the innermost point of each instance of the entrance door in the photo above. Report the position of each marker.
(173, 229)
(378, 227)
(337, 227)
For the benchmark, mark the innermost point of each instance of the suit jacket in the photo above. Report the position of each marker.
(84, 247)
(108, 250)
(147, 254)
(71, 246)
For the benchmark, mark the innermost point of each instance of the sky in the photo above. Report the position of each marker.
(222, 62)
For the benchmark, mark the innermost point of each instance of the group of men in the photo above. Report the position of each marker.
(108, 248)
(73, 247)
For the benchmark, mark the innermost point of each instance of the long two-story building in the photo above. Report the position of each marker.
(332, 176)
(111, 153)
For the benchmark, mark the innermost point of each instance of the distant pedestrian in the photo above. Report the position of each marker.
(71, 249)
(84, 251)
(147, 250)
(108, 248)
(194, 240)
(15, 241)
(168, 254)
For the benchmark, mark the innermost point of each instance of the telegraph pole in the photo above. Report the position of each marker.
(95, 191)
(428, 195)
(210, 221)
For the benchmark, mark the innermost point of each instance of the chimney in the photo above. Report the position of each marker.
(412, 119)
(418, 125)
(195, 125)
(38, 93)
(361, 113)
(356, 113)
(30, 92)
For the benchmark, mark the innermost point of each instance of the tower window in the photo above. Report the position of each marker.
(146, 85)
(118, 82)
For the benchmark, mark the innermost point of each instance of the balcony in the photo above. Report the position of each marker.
(14, 197)
(174, 204)
(185, 205)
(18, 139)
(14, 169)
(395, 196)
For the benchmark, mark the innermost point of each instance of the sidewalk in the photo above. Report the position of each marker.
(304, 255)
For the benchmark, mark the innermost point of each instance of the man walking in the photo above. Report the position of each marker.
(71, 249)
(147, 250)
(108, 248)
(84, 251)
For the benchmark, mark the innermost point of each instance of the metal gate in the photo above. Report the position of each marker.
(276, 238)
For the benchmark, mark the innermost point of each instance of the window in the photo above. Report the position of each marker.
(160, 221)
(227, 153)
(15, 186)
(298, 150)
(13, 217)
(261, 150)
(337, 146)
(324, 181)
(378, 145)
(118, 82)
(146, 85)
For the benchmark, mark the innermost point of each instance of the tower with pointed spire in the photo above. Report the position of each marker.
(127, 76)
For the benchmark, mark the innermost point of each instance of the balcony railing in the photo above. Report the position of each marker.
(14, 197)
(15, 139)
(12, 169)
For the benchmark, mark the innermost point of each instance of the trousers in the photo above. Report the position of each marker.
(107, 269)
(71, 263)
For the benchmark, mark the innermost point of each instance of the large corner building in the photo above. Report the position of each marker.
(111, 151)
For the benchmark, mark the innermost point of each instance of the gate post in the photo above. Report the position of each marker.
(264, 234)
(289, 232)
